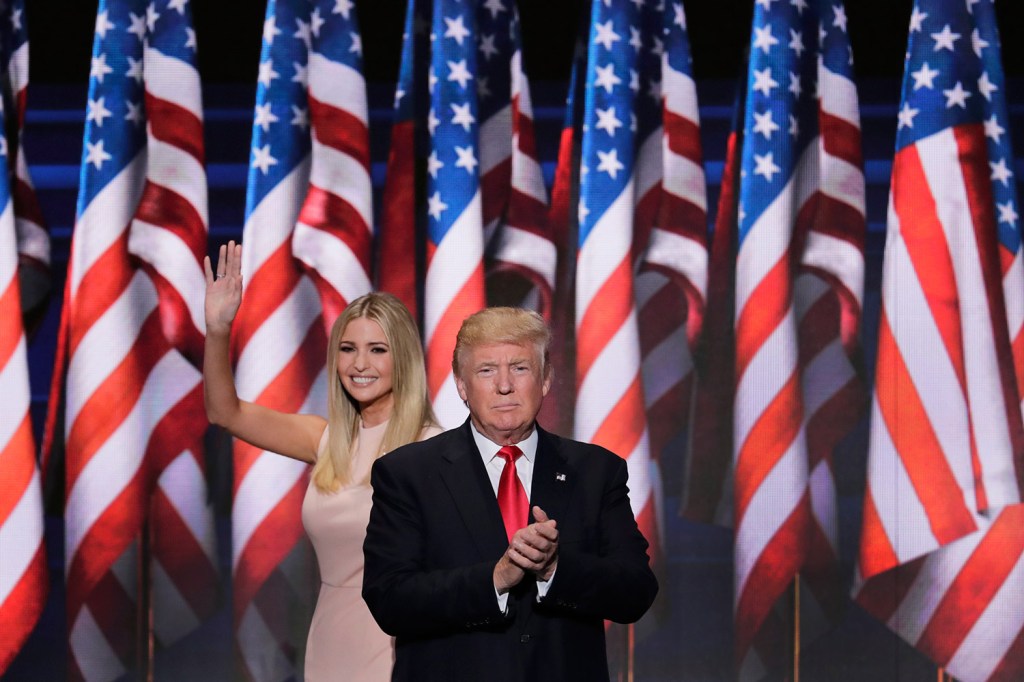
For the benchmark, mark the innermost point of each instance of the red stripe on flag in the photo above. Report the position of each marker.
(920, 230)
(268, 288)
(761, 315)
(912, 435)
(768, 441)
(602, 322)
(18, 466)
(176, 126)
(442, 341)
(975, 586)
(177, 550)
(113, 399)
(340, 130)
(106, 280)
(619, 431)
(269, 544)
(164, 207)
(774, 570)
(22, 607)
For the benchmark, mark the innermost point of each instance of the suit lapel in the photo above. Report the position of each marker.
(471, 491)
(553, 480)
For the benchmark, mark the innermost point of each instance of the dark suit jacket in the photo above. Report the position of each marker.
(435, 535)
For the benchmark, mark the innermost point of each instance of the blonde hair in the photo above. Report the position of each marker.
(503, 324)
(411, 412)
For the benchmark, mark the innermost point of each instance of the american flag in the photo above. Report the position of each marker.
(134, 412)
(168, 236)
(398, 241)
(334, 234)
(280, 346)
(942, 543)
(33, 239)
(23, 579)
(521, 256)
(670, 226)
(454, 285)
(557, 411)
(609, 391)
(798, 287)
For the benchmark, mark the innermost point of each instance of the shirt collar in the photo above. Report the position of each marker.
(489, 449)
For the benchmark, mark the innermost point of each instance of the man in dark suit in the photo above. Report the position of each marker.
(474, 582)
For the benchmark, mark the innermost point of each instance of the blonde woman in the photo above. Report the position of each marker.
(377, 400)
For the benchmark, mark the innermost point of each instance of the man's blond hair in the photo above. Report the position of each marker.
(503, 325)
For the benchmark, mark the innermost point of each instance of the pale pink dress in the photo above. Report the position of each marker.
(344, 640)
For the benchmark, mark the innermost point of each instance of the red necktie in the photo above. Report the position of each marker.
(515, 508)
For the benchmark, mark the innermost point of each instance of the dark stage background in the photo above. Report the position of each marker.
(695, 642)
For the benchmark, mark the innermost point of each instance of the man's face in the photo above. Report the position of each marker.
(503, 385)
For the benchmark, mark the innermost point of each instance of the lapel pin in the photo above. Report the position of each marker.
(559, 477)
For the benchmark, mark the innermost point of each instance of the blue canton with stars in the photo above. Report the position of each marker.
(115, 128)
(335, 30)
(954, 77)
(612, 88)
(453, 166)
(280, 132)
(781, 112)
(677, 39)
(496, 42)
(15, 30)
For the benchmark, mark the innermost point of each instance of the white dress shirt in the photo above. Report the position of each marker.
(524, 469)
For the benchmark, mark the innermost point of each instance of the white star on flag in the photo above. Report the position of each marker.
(456, 29)
(986, 87)
(267, 73)
(466, 159)
(262, 159)
(765, 165)
(97, 111)
(606, 35)
(264, 117)
(103, 24)
(99, 68)
(956, 96)
(924, 77)
(434, 164)
(944, 39)
(796, 42)
(906, 116)
(763, 81)
(458, 72)
(977, 42)
(95, 155)
(764, 124)
(1007, 214)
(609, 163)
(461, 115)
(343, 7)
(607, 120)
(435, 206)
(606, 77)
(270, 30)
(764, 39)
(1001, 172)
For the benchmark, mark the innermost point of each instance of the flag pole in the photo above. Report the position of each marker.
(145, 610)
(630, 644)
(796, 628)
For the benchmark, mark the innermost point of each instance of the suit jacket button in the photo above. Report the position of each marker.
(524, 639)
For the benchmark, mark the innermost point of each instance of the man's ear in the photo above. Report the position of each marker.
(460, 385)
(549, 375)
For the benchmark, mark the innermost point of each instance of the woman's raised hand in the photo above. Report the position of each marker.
(223, 289)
